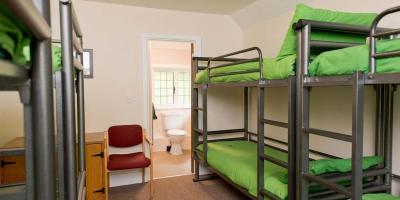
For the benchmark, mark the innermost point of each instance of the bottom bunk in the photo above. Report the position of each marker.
(237, 162)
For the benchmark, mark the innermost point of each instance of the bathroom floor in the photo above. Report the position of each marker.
(167, 165)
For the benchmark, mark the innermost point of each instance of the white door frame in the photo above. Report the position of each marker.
(147, 97)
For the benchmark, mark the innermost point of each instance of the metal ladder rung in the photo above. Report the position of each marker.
(329, 134)
(274, 160)
(327, 183)
(275, 123)
(199, 131)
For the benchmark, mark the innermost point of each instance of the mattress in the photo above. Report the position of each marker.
(348, 60)
(237, 160)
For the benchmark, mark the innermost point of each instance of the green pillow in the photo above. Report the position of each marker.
(305, 12)
(338, 62)
(323, 166)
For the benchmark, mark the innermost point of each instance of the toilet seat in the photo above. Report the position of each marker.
(176, 132)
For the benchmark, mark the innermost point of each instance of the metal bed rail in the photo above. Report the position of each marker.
(73, 124)
(259, 59)
(31, 17)
(34, 86)
(384, 115)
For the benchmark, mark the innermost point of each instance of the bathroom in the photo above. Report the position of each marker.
(170, 62)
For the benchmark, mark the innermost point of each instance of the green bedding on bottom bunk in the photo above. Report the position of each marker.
(237, 160)
(351, 59)
(380, 196)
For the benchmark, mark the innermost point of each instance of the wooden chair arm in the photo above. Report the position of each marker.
(146, 137)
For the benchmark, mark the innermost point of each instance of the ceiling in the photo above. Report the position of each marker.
(204, 6)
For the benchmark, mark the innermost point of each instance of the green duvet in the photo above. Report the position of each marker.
(348, 60)
(272, 69)
(379, 196)
(237, 160)
(13, 36)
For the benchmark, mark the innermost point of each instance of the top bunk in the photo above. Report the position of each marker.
(21, 24)
(322, 43)
(377, 61)
(225, 71)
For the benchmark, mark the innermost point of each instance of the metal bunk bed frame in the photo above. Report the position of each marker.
(261, 121)
(385, 87)
(35, 87)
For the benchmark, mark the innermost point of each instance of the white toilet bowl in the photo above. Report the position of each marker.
(173, 125)
(175, 137)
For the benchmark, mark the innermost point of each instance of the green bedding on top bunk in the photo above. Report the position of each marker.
(351, 59)
(15, 40)
(379, 196)
(237, 160)
(272, 69)
(305, 12)
(282, 66)
(56, 56)
(13, 37)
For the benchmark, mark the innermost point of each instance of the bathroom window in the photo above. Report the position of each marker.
(171, 88)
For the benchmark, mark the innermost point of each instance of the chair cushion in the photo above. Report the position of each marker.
(127, 161)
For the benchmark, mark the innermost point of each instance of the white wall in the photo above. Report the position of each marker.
(330, 107)
(114, 32)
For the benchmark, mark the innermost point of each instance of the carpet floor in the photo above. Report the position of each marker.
(178, 188)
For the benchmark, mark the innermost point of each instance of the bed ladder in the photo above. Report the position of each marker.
(291, 127)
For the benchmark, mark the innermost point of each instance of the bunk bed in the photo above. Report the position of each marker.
(34, 81)
(246, 74)
(239, 160)
(352, 65)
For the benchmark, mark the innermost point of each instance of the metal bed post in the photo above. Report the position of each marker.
(205, 122)
(246, 112)
(357, 135)
(379, 123)
(260, 144)
(303, 108)
(28, 143)
(42, 113)
(195, 120)
(292, 137)
(390, 89)
(60, 134)
(81, 115)
(69, 101)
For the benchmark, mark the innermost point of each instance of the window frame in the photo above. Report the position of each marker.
(175, 72)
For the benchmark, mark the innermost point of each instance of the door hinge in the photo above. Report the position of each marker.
(4, 163)
(101, 154)
(102, 190)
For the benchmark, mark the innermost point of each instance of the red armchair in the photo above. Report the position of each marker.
(128, 136)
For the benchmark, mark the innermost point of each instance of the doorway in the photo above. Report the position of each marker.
(169, 93)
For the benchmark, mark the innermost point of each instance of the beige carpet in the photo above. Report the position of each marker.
(167, 165)
(178, 188)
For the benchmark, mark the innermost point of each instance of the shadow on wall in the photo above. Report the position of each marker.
(161, 140)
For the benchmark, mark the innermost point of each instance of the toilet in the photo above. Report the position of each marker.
(173, 125)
